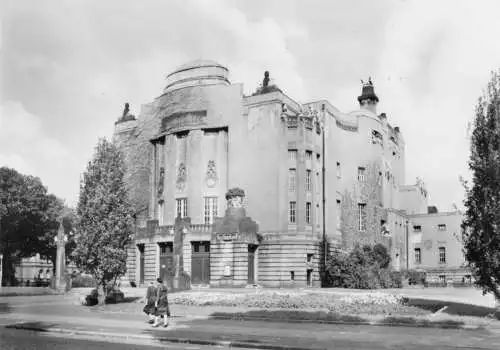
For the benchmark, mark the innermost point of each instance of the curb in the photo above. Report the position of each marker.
(226, 343)
(354, 323)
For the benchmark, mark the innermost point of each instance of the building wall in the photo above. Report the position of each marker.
(413, 199)
(245, 141)
(431, 238)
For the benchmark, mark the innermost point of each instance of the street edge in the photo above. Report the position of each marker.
(226, 343)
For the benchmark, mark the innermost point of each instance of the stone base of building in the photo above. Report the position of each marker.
(227, 262)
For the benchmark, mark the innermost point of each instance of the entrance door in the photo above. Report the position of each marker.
(140, 248)
(251, 263)
(167, 268)
(200, 262)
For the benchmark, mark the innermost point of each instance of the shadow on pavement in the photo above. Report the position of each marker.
(453, 308)
(33, 326)
(5, 308)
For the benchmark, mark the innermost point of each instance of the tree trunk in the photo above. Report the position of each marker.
(101, 295)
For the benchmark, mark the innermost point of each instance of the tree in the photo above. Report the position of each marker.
(481, 224)
(105, 222)
(28, 215)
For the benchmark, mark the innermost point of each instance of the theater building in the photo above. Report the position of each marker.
(307, 171)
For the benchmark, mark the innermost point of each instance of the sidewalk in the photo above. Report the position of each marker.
(255, 334)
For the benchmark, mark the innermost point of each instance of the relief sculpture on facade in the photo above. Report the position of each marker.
(181, 177)
(211, 177)
(161, 180)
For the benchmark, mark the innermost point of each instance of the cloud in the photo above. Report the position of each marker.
(433, 67)
(25, 146)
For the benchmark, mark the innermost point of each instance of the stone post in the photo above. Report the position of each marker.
(60, 258)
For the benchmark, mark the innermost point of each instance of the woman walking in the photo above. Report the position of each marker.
(162, 308)
(149, 308)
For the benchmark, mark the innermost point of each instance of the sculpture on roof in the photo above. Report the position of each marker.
(126, 115)
(126, 110)
(265, 82)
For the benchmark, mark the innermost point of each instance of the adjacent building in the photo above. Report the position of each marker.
(307, 172)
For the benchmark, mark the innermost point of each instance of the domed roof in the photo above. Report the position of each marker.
(197, 64)
(197, 72)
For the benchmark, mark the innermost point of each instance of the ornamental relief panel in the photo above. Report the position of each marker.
(181, 177)
(211, 175)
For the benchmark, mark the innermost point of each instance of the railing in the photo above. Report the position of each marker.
(203, 228)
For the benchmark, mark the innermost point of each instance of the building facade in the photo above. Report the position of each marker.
(308, 172)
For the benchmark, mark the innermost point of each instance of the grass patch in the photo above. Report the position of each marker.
(289, 315)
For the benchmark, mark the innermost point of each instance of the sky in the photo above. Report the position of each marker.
(67, 68)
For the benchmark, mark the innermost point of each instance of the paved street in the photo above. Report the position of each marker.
(27, 340)
(61, 312)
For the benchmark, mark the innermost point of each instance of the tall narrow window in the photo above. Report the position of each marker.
(309, 156)
(361, 174)
(292, 155)
(292, 180)
(308, 181)
(418, 256)
(160, 214)
(308, 212)
(318, 161)
(442, 255)
(292, 211)
(339, 171)
(210, 211)
(362, 216)
(338, 213)
(181, 207)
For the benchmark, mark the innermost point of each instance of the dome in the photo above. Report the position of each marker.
(198, 72)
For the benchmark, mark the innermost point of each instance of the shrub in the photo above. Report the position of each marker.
(83, 281)
(362, 268)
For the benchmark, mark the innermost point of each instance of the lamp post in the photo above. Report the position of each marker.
(1, 270)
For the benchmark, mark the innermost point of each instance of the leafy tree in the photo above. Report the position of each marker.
(105, 222)
(28, 216)
(481, 225)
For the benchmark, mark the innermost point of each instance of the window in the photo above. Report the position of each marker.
(210, 211)
(361, 174)
(292, 212)
(308, 212)
(292, 179)
(160, 214)
(339, 172)
(417, 228)
(309, 156)
(292, 275)
(442, 255)
(166, 248)
(181, 207)
(292, 155)
(308, 181)
(362, 216)
(442, 279)
(442, 227)
(318, 161)
(339, 211)
(418, 256)
(310, 257)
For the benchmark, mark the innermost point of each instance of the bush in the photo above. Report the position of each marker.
(362, 268)
(83, 281)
